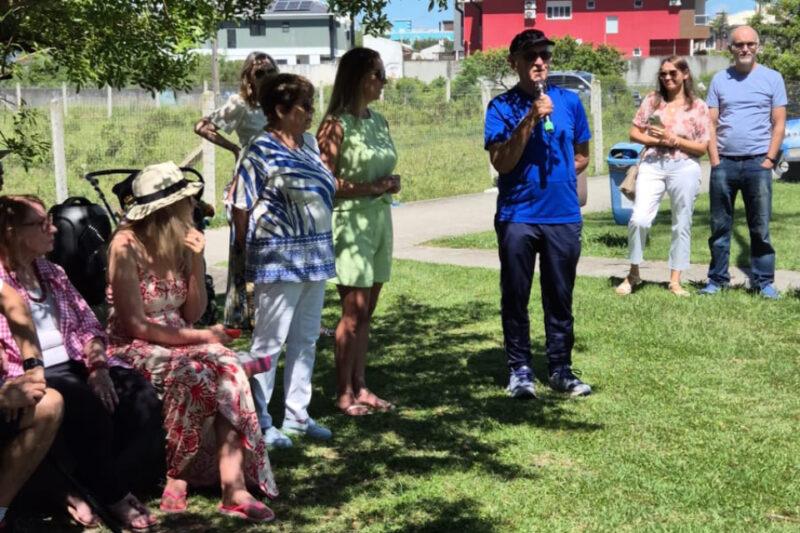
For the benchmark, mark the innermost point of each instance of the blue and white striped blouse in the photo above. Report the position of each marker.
(289, 194)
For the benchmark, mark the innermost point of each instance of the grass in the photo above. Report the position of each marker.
(603, 238)
(692, 426)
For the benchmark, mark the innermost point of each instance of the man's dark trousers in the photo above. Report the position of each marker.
(559, 248)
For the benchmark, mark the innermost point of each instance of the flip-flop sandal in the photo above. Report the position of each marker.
(90, 524)
(139, 506)
(356, 409)
(251, 511)
(178, 499)
(382, 406)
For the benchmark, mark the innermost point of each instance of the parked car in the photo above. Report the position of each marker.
(789, 161)
(576, 81)
(637, 99)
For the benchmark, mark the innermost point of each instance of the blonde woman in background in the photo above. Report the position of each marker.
(241, 114)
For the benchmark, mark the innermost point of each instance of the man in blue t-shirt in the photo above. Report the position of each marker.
(538, 140)
(748, 109)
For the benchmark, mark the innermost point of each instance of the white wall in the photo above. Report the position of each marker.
(391, 52)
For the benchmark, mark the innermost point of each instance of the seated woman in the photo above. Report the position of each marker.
(156, 292)
(111, 414)
(30, 413)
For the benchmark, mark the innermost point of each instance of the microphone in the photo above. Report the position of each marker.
(548, 124)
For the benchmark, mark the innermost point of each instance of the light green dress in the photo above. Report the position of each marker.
(362, 226)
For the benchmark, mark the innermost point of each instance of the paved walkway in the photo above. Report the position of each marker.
(418, 222)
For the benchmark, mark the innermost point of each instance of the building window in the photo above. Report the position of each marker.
(231, 37)
(258, 28)
(590, 4)
(638, 4)
(559, 9)
(637, 52)
(285, 27)
(612, 25)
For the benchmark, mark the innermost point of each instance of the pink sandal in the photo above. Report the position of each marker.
(178, 502)
(254, 511)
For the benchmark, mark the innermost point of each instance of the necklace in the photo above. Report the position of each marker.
(42, 289)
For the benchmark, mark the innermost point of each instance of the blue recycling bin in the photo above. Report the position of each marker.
(621, 157)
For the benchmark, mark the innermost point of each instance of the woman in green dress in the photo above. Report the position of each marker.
(356, 146)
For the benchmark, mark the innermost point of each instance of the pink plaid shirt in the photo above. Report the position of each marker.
(76, 321)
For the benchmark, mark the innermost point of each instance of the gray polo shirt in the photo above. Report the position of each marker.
(745, 103)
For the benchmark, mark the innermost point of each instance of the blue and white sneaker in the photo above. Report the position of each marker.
(309, 428)
(564, 380)
(710, 288)
(275, 439)
(520, 383)
(769, 292)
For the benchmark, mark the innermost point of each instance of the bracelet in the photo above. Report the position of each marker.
(97, 365)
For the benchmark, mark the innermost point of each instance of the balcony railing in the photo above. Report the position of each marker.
(702, 20)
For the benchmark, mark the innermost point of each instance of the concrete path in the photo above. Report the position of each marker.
(418, 222)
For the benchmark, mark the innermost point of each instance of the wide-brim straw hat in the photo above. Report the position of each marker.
(158, 186)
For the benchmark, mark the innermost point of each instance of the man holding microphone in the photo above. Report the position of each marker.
(538, 140)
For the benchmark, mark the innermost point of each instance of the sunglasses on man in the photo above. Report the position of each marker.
(532, 55)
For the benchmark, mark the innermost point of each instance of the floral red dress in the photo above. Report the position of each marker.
(196, 383)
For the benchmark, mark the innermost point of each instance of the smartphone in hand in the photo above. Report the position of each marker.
(655, 120)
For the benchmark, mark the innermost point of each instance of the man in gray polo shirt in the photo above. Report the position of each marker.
(748, 110)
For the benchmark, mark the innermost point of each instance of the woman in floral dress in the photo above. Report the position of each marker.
(156, 292)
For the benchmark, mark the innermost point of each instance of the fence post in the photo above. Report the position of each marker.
(447, 89)
(19, 95)
(209, 156)
(321, 98)
(59, 156)
(486, 97)
(64, 97)
(157, 99)
(109, 101)
(597, 119)
(205, 85)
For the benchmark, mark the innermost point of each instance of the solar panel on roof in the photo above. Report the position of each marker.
(305, 6)
(279, 6)
(293, 6)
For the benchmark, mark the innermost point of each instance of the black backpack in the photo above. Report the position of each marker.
(81, 244)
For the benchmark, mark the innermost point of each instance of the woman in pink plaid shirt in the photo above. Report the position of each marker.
(112, 419)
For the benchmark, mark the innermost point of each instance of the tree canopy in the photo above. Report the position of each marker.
(781, 38)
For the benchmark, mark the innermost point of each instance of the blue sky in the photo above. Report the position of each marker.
(417, 10)
(729, 6)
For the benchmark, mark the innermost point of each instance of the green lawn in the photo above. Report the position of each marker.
(692, 427)
(603, 238)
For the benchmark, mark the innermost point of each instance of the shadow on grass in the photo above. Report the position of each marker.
(435, 364)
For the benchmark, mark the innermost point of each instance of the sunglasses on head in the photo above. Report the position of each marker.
(532, 55)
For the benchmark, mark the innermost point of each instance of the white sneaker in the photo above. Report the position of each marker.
(308, 428)
(275, 439)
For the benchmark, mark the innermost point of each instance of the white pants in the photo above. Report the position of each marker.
(680, 178)
(287, 313)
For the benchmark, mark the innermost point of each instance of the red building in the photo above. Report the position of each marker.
(635, 27)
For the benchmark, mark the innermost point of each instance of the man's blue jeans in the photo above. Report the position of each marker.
(755, 183)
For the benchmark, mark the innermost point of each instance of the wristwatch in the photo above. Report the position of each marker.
(31, 363)
(774, 161)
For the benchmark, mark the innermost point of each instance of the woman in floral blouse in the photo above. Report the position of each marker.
(675, 126)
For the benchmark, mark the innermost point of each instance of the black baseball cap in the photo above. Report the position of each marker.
(526, 39)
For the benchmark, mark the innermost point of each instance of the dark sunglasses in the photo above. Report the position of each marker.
(749, 44)
(307, 106)
(668, 74)
(380, 74)
(532, 55)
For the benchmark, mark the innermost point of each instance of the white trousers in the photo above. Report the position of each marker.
(680, 178)
(290, 314)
